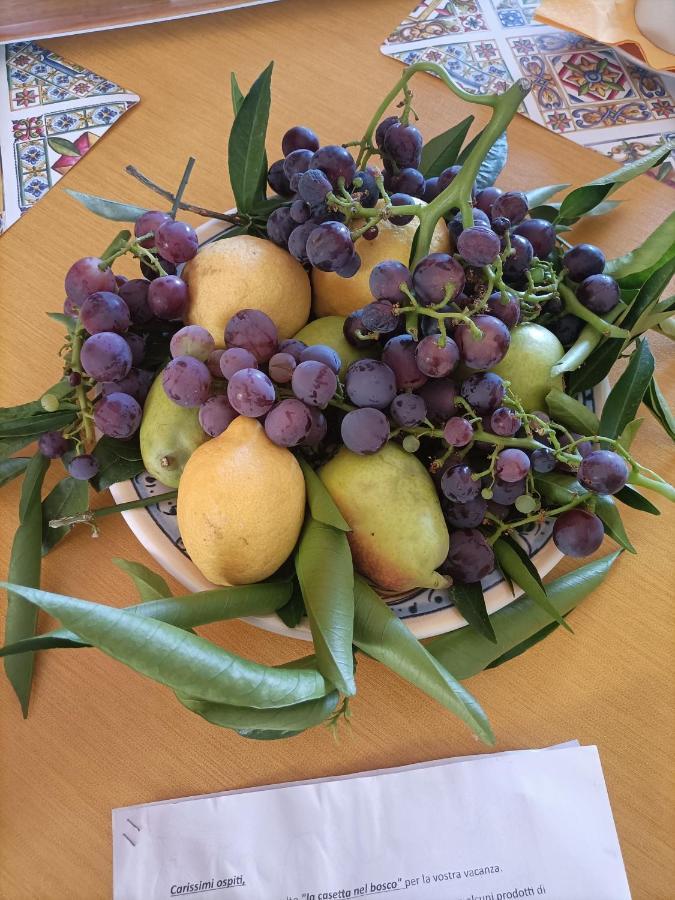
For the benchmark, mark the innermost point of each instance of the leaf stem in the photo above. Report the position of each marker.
(189, 207)
(89, 515)
(181, 187)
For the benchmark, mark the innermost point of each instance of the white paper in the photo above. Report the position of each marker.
(499, 827)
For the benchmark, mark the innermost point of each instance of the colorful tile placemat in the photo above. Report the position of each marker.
(581, 89)
(52, 112)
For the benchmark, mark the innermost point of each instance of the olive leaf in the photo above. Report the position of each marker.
(149, 584)
(323, 563)
(117, 461)
(235, 91)
(469, 600)
(635, 500)
(606, 510)
(571, 413)
(24, 566)
(379, 633)
(493, 163)
(465, 652)
(442, 150)
(67, 498)
(540, 195)
(321, 504)
(633, 268)
(247, 160)
(625, 397)
(108, 209)
(520, 568)
(174, 657)
(12, 468)
(658, 405)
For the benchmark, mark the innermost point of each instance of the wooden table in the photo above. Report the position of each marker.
(100, 736)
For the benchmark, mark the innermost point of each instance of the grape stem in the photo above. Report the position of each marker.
(535, 517)
(652, 484)
(181, 187)
(572, 305)
(80, 391)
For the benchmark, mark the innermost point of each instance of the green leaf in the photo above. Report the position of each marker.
(465, 652)
(8, 413)
(235, 91)
(68, 322)
(442, 150)
(117, 460)
(63, 146)
(519, 649)
(469, 600)
(557, 488)
(12, 468)
(629, 433)
(24, 566)
(606, 510)
(548, 211)
(321, 504)
(494, 162)
(291, 613)
(540, 195)
(382, 635)
(117, 243)
(149, 584)
(581, 201)
(635, 500)
(325, 571)
(658, 405)
(32, 426)
(296, 718)
(175, 657)
(625, 397)
(515, 561)
(570, 412)
(605, 207)
(67, 498)
(247, 160)
(649, 256)
(108, 209)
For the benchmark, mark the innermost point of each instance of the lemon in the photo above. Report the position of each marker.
(241, 503)
(336, 296)
(246, 272)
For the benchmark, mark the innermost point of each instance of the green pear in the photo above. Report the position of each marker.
(169, 435)
(527, 364)
(398, 535)
(328, 331)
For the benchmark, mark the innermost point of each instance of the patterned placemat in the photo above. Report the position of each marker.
(581, 89)
(52, 112)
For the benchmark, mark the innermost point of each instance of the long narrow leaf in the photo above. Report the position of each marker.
(247, 160)
(658, 405)
(650, 255)
(625, 397)
(442, 151)
(108, 209)
(67, 498)
(321, 504)
(540, 195)
(12, 468)
(630, 497)
(570, 412)
(470, 601)
(606, 510)
(296, 718)
(149, 584)
(513, 560)
(237, 96)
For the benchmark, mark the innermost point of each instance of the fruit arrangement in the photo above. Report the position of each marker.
(386, 343)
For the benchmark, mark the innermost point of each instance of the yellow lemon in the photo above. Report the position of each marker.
(241, 503)
(336, 296)
(246, 272)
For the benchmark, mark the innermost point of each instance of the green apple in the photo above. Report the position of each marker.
(527, 364)
(328, 330)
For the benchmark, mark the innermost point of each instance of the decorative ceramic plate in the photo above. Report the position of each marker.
(427, 612)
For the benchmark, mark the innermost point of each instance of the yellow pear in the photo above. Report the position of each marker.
(241, 504)
(527, 364)
(398, 535)
(328, 331)
(246, 272)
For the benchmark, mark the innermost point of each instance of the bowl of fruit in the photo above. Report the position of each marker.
(368, 406)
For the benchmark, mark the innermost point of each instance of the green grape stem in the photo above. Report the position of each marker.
(572, 305)
(536, 517)
(81, 391)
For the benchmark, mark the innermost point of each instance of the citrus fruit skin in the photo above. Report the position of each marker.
(245, 272)
(241, 504)
(328, 331)
(527, 364)
(336, 296)
(376, 494)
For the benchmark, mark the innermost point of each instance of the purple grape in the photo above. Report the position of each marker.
(215, 414)
(313, 186)
(168, 297)
(336, 162)
(520, 259)
(508, 312)
(253, 330)
(567, 329)
(314, 383)
(186, 381)
(459, 485)
(370, 382)
(400, 199)
(507, 492)
(83, 467)
(439, 394)
(584, 448)
(447, 176)
(500, 225)
(297, 242)
(106, 356)
(583, 261)
(512, 465)
(458, 432)
(435, 360)
(297, 162)
(540, 233)
(213, 363)
(436, 277)
(176, 241)
(599, 293)
(465, 515)
(409, 181)
(329, 247)
(351, 267)
(192, 340)
(234, 359)
(277, 180)
(280, 226)
(147, 222)
(478, 245)
(367, 191)
(512, 205)
(135, 294)
(324, 354)
(483, 391)
(383, 128)
(499, 510)
(578, 532)
(487, 351)
(136, 344)
(379, 317)
(292, 346)
(136, 383)
(70, 308)
(117, 415)
(431, 189)
(300, 211)
(52, 444)
(470, 558)
(408, 410)
(386, 279)
(486, 197)
(504, 422)
(86, 277)
(456, 224)
(151, 273)
(403, 143)
(120, 280)
(251, 393)
(318, 430)
(365, 430)
(543, 460)
(603, 472)
(400, 355)
(281, 367)
(299, 138)
(288, 423)
(105, 311)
